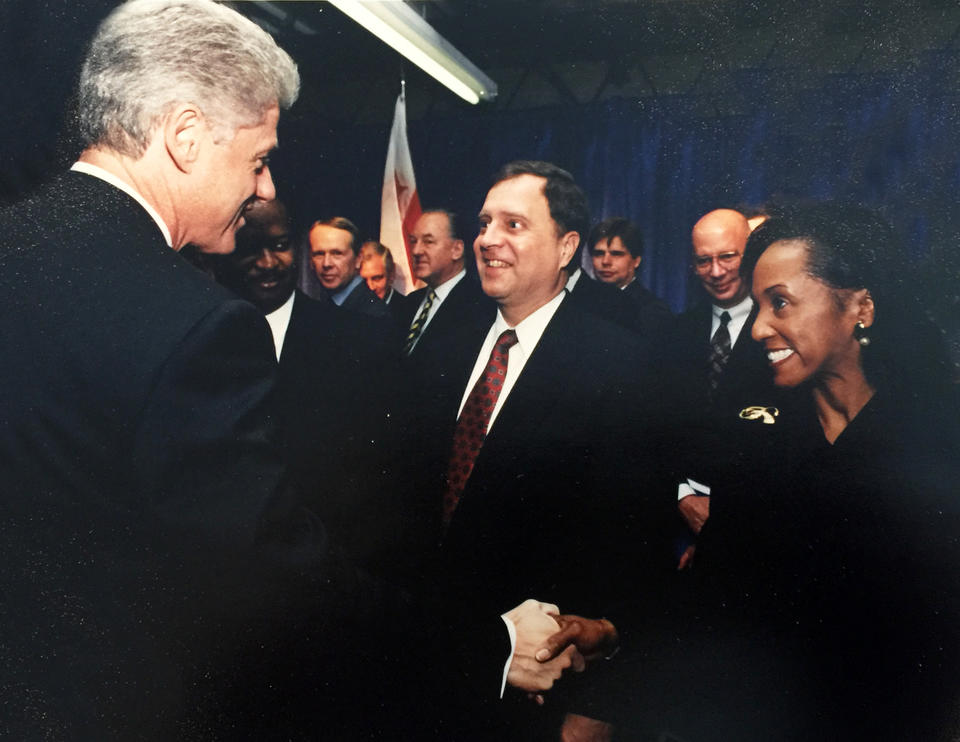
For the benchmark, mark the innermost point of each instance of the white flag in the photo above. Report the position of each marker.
(400, 204)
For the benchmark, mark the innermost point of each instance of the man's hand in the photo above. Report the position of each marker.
(686, 558)
(535, 624)
(593, 638)
(578, 728)
(695, 510)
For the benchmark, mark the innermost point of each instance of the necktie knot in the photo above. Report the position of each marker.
(724, 318)
(507, 339)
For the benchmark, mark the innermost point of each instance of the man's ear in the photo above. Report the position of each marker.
(183, 136)
(568, 247)
(865, 307)
(458, 249)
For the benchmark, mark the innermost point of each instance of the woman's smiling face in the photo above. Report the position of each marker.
(806, 327)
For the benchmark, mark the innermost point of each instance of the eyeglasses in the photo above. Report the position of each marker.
(703, 263)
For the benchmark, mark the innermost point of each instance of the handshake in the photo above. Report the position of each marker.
(549, 644)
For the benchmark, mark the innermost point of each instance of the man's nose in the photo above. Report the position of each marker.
(488, 237)
(266, 259)
(716, 270)
(265, 188)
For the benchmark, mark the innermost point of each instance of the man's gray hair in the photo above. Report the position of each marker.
(150, 55)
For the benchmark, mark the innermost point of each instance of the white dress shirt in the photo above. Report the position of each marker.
(529, 332)
(739, 313)
(279, 321)
(738, 318)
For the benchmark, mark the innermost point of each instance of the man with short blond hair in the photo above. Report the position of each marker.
(334, 250)
(378, 270)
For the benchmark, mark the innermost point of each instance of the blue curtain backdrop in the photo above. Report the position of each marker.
(887, 141)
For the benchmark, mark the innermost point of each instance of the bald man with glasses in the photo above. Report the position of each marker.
(720, 370)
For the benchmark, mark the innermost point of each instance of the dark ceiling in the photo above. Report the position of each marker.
(561, 52)
(541, 53)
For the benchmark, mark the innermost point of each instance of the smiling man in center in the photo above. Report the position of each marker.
(542, 411)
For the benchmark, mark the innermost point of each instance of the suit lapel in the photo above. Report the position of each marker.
(539, 389)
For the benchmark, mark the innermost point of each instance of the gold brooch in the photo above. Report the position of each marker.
(767, 414)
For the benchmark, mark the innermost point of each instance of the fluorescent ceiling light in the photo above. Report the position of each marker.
(399, 26)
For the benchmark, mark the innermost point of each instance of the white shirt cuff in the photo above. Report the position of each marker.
(512, 631)
(691, 487)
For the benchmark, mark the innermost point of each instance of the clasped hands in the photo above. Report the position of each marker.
(549, 644)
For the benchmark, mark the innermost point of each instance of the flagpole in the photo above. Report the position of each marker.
(400, 203)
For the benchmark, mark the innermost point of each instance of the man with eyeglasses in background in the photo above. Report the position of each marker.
(720, 371)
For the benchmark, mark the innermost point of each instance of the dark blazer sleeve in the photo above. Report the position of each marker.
(205, 448)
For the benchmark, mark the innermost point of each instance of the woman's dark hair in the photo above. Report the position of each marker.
(850, 247)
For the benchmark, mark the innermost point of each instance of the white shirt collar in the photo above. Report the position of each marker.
(530, 329)
(443, 290)
(279, 321)
(737, 312)
(572, 280)
(99, 172)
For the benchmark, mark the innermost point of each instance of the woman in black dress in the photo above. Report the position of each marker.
(860, 538)
(824, 600)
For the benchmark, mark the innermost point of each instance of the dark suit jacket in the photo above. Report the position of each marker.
(466, 306)
(825, 586)
(337, 388)
(602, 300)
(144, 522)
(364, 301)
(746, 374)
(549, 510)
(654, 318)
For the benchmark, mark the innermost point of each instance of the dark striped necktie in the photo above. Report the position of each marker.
(417, 327)
(719, 351)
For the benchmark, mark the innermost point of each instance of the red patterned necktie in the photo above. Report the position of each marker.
(473, 422)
